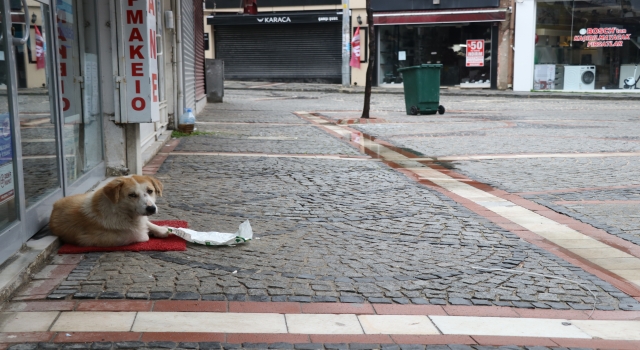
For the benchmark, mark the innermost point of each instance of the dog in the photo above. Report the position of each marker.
(114, 215)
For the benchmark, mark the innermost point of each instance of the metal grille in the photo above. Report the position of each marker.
(199, 52)
(295, 52)
(188, 57)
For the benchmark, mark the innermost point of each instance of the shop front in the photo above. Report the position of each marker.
(462, 38)
(283, 46)
(578, 45)
(50, 112)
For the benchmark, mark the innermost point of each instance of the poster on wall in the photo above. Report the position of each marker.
(475, 53)
(6, 159)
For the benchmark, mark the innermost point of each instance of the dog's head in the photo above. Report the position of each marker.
(135, 193)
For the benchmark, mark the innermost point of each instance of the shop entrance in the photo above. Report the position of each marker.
(50, 112)
(410, 45)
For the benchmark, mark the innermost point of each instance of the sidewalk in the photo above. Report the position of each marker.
(444, 91)
(363, 242)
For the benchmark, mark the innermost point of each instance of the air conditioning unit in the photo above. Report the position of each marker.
(579, 78)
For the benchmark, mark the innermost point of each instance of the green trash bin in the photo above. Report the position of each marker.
(422, 89)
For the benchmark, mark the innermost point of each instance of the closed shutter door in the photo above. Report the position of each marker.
(306, 52)
(188, 57)
(199, 52)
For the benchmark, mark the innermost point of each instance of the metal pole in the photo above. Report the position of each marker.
(346, 43)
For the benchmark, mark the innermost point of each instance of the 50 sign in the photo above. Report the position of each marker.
(475, 53)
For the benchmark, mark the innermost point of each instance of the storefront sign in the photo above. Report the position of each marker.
(141, 61)
(6, 160)
(603, 37)
(284, 18)
(475, 53)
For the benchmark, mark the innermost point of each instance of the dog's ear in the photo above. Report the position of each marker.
(112, 190)
(156, 184)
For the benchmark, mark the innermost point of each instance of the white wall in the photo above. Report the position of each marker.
(525, 34)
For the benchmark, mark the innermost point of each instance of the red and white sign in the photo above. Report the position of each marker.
(603, 37)
(355, 53)
(141, 61)
(475, 53)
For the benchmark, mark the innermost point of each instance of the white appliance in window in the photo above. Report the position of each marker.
(579, 78)
(628, 71)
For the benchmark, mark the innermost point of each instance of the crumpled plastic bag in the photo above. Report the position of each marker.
(244, 234)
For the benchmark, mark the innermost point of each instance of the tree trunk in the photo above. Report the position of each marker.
(371, 65)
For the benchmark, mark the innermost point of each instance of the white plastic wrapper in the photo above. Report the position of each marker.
(245, 233)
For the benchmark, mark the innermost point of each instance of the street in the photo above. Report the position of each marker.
(487, 206)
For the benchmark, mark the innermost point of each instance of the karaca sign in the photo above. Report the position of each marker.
(141, 61)
(603, 37)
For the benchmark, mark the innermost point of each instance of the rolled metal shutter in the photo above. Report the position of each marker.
(188, 57)
(296, 52)
(199, 52)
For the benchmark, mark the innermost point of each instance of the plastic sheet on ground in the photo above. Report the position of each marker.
(244, 234)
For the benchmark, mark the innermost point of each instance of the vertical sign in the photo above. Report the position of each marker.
(475, 53)
(141, 61)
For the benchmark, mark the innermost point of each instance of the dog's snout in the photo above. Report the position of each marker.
(151, 209)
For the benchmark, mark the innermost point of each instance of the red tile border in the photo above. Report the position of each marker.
(30, 297)
(25, 337)
(85, 337)
(115, 305)
(385, 309)
(481, 311)
(337, 308)
(522, 341)
(190, 306)
(27, 306)
(67, 259)
(183, 337)
(351, 338)
(40, 287)
(433, 339)
(59, 272)
(598, 343)
(260, 307)
(616, 315)
(4, 346)
(237, 338)
(554, 314)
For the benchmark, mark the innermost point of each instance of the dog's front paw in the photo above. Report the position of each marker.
(159, 231)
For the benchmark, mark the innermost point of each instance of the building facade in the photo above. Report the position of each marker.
(88, 89)
(303, 40)
(286, 40)
(577, 45)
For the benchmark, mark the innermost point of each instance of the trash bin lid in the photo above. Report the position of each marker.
(438, 66)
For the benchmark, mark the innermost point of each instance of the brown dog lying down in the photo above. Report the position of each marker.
(111, 216)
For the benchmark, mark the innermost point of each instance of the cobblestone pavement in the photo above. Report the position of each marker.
(348, 230)
(601, 190)
(243, 346)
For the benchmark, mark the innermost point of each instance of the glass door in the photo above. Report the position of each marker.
(10, 228)
(38, 115)
(30, 148)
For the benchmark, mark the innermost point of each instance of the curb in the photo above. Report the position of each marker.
(446, 92)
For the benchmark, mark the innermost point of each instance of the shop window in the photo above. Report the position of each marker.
(412, 45)
(587, 45)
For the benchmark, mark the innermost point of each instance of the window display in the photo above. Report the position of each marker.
(410, 45)
(586, 45)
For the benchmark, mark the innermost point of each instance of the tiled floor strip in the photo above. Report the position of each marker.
(605, 256)
(321, 324)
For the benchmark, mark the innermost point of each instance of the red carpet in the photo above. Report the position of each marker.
(171, 243)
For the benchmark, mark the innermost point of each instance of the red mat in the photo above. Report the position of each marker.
(171, 243)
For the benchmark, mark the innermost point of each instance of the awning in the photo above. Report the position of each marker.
(441, 16)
